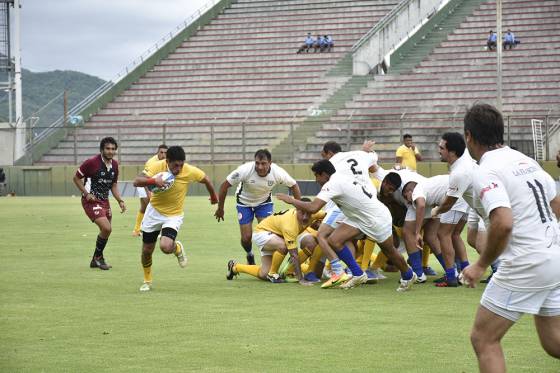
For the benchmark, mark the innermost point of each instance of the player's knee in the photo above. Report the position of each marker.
(246, 239)
(334, 243)
(106, 230)
(552, 350)
(476, 340)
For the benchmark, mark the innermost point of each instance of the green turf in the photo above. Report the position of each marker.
(58, 315)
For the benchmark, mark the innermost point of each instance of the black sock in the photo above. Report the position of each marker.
(100, 246)
(247, 247)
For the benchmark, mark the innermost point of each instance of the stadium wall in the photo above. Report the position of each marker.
(57, 180)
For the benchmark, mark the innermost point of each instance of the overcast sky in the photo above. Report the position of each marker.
(97, 37)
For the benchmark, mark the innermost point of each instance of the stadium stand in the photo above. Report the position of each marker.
(428, 97)
(236, 85)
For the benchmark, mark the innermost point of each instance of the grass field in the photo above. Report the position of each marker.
(58, 315)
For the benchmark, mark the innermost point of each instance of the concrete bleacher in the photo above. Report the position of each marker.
(430, 97)
(235, 86)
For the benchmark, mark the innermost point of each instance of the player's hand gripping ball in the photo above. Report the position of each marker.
(167, 177)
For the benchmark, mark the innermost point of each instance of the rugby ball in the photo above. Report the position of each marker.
(167, 177)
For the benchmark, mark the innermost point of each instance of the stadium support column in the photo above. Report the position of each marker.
(499, 48)
(19, 146)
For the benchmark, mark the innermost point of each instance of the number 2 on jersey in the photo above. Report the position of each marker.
(353, 164)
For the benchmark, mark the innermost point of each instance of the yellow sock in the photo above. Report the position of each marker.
(369, 245)
(359, 251)
(380, 261)
(147, 266)
(277, 260)
(177, 249)
(315, 257)
(302, 255)
(425, 255)
(252, 270)
(139, 217)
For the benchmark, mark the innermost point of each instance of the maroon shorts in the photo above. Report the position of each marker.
(97, 209)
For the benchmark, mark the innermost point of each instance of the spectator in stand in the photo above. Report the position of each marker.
(509, 40)
(308, 43)
(318, 41)
(492, 40)
(407, 154)
(323, 43)
(329, 42)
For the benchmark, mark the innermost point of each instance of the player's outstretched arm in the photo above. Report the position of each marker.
(219, 214)
(445, 206)
(297, 267)
(368, 146)
(142, 180)
(420, 204)
(117, 196)
(310, 207)
(210, 188)
(296, 192)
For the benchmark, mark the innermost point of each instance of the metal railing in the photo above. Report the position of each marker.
(58, 123)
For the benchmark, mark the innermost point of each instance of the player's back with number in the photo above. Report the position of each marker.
(527, 189)
(354, 163)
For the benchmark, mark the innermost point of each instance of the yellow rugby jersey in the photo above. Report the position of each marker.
(170, 202)
(286, 225)
(150, 161)
(408, 156)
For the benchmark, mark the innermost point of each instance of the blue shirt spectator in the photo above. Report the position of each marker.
(492, 40)
(309, 40)
(509, 40)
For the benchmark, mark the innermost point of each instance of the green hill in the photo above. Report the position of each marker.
(40, 88)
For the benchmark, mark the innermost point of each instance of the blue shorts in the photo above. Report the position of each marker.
(246, 214)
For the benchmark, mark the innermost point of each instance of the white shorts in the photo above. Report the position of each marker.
(141, 192)
(452, 217)
(474, 221)
(380, 229)
(260, 239)
(154, 221)
(333, 217)
(513, 304)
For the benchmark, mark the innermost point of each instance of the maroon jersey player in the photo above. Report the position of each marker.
(95, 178)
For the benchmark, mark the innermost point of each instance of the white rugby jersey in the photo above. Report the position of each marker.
(460, 178)
(531, 259)
(356, 199)
(406, 177)
(354, 164)
(253, 189)
(433, 190)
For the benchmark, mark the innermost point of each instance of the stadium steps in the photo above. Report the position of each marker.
(238, 78)
(286, 150)
(431, 96)
(430, 35)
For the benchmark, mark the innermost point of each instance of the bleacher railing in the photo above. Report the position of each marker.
(220, 141)
(43, 132)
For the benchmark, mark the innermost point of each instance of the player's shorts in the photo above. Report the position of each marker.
(379, 224)
(141, 192)
(475, 222)
(154, 221)
(97, 209)
(513, 304)
(333, 217)
(452, 217)
(246, 214)
(260, 239)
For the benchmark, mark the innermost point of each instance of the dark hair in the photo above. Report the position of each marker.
(394, 179)
(263, 153)
(162, 146)
(107, 140)
(454, 142)
(332, 146)
(323, 166)
(175, 153)
(485, 124)
(407, 136)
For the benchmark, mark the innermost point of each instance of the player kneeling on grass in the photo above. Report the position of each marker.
(278, 232)
(165, 211)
